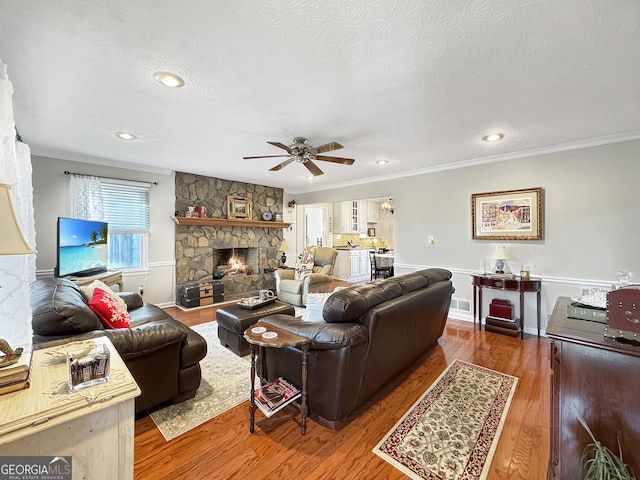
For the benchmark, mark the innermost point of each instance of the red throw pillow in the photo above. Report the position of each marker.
(108, 310)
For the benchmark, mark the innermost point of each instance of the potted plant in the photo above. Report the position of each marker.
(599, 463)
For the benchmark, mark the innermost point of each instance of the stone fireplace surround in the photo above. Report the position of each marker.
(195, 244)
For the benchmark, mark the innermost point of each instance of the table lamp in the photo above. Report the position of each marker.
(12, 242)
(500, 255)
(284, 247)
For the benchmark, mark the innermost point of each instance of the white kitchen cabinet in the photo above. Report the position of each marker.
(353, 265)
(350, 217)
(365, 264)
(373, 212)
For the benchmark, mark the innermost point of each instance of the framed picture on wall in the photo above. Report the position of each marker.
(508, 215)
(238, 207)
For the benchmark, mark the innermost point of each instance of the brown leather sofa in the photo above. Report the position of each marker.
(161, 353)
(370, 334)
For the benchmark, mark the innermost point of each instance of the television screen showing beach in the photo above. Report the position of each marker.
(82, 246)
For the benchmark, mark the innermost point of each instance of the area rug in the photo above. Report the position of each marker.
(453, 430)
(226, 383)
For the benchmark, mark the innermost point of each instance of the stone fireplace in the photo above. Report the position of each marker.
(246, 254)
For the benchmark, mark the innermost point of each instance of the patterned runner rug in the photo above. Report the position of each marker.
(453, 430)
(225, 383)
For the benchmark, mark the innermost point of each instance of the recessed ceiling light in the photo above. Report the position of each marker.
(493, 137)
(168, 79)
(382, 162)
(126, 135)
(310, 177)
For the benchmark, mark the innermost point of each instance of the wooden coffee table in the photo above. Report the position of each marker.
(283, 340)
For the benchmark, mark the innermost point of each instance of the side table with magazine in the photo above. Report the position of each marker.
(271, 397)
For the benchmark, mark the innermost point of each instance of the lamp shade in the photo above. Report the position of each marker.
(12, 241)
(500, 253)
(284, 246)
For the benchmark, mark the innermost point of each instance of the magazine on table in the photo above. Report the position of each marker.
(274, 396)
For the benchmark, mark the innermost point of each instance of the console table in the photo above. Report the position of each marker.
(94, 426)
(112, 277)
(510, 283)
(595, 377)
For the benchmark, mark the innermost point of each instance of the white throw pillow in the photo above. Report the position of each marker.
(302, 270)
(88, 292)
(315, 304)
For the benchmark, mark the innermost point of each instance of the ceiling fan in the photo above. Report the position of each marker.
(301, 152)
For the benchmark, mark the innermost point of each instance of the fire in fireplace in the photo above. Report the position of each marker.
(233, 261)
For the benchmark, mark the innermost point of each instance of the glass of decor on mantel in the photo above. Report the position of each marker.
(87, 369)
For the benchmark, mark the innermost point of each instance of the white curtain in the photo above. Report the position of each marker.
(85, 197)
(16, 271)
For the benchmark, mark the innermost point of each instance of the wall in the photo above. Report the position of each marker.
(51, 200)
(591, 218)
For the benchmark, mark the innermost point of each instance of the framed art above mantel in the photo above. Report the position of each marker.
(508, 215)
(238, 207)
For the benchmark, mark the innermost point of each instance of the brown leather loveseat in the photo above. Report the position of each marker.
(369, 335)
(161, 353)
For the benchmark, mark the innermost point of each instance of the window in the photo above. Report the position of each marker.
(126, 209)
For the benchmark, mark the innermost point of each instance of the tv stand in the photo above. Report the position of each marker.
(112, 277)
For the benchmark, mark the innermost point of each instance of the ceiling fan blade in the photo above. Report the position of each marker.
(280, 145)
(327, 147)
(344, 161)
(282, 165)
(265, 156)
(313, 168)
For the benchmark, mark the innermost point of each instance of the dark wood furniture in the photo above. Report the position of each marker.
(598, 379)
(510, 283)
(378, 269)
(284, 339)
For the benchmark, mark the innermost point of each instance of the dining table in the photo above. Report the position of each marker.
(384, 259)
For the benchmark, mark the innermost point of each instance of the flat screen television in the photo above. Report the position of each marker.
(82, 248)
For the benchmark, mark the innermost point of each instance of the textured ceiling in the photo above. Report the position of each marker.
(414, 82)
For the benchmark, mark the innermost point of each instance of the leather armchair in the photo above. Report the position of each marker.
(294, 292)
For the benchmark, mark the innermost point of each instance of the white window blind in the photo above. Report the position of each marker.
(126, 208)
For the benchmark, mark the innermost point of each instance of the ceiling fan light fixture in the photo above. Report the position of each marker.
(168, 79)
(301, 152)
(493, 137)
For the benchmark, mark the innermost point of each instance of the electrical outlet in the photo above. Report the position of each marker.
(141, 290)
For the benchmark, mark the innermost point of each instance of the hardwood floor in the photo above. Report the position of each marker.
(223, 448)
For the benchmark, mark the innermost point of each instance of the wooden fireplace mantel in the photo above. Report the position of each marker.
(227, 222)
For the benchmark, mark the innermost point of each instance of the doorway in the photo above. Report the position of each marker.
(316, 231)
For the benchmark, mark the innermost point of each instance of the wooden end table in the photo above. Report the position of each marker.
(283, 340)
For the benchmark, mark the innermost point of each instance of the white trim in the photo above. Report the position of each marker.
(399, 267)
(170, 263)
